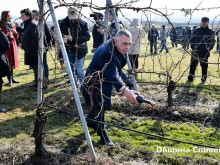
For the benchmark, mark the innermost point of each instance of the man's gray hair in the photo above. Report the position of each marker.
(123, 32)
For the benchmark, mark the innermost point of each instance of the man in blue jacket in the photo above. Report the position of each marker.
(75, 32)
(202, 42)
(104, 72)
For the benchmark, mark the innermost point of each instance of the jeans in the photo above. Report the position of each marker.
(164, 45)
(153, 44)
(79, 66)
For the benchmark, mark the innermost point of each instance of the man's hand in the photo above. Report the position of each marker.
(130, 95)
(100, 30)
(208, 49)
(69, 38)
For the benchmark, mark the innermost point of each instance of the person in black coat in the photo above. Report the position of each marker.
(75, 32)
(202, 42)
(152, 38)
(30, 42)
(173, 37)
(98, 30)
(4, 65)
(217, 47)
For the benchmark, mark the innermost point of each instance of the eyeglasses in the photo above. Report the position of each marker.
(22, 15)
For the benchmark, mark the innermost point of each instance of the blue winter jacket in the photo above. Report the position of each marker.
(108, 62)
(104, 71)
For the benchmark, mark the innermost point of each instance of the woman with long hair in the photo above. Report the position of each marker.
(9, 29)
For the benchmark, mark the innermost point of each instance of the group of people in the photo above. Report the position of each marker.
(105, 70)
(26, 36)
(201, 40)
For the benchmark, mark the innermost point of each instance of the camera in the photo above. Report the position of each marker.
(98, 17)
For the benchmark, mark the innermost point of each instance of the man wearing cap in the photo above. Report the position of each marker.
(202, 42)
(163, 38)
(75, 32)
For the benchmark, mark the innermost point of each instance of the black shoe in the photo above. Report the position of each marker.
(106, 141)
(203, 79)
(190, 78)
(14, 81)
(92, 125)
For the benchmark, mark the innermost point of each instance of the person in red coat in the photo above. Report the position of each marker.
(9, 29)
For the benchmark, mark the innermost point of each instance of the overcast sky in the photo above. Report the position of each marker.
(16, 5)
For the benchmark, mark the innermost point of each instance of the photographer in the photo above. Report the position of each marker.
(97, 31)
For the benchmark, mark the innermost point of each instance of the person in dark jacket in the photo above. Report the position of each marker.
(4, 64)
(76, 34)
(112, 26)
(184, 37)
(30, 42)
(173, 37)
(189, 35)
(217, 34)
(47, 43)
(104, 72)
(202, 42)
(97, 31)
(152, 38)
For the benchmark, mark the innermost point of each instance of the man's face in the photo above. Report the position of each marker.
(204, 24)
(24, 17)
(110, 17)
(36, 16)
(153, 27)
(123, 43)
